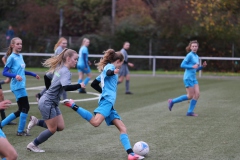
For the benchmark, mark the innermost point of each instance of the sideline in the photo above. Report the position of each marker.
(76, 100)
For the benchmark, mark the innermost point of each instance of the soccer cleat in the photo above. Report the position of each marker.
(192, 114)
(33, 121)
(128, 92)
(69, 103)
(170, 104)
(32, 147)
(134, 156)
(23, 133)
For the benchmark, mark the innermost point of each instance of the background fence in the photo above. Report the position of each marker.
(35, 59)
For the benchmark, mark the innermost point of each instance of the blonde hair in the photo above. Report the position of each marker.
(109, 56)
(57, 62)
(10, 48)
(188, 48)
(59, 42)
(84, 40)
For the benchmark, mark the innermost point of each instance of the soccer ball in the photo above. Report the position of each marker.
(141, 148)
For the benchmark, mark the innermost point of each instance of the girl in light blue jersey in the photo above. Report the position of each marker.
(109, 67)
(15, 69)
(6, 149)
(83, 64)
(191, 66)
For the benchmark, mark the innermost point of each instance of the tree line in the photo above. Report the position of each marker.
(156, 27)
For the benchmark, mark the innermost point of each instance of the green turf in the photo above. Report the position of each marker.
(170, 135)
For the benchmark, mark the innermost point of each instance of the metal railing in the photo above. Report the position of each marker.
(154, 58)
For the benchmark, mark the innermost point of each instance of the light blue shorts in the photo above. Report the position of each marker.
(20, 93)
(106, 109)
(81, 68)
(190, 83)
(2, 135)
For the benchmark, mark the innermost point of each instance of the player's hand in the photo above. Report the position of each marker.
(204, 64)
(37, 76)
(130, 64)
(82, 85)
(116, 71)
(5, 104)
(195, 66)
(19, 78)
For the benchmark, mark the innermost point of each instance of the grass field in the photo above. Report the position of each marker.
(214, 135)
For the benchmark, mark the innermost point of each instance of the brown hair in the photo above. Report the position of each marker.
(188, 48)
(59, 42)
(109, 56)
(58, 61)
(10, 48)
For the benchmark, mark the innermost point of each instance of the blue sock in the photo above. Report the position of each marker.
(4, 158)
(22, 122)
(84, 113)
(86, 80)
(180, 99)
(8, 119)
(79, 81)
(192, 105)
(125, 141)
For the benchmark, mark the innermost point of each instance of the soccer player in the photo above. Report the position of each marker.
(7, 151)
(109, 67)
(124, 71)
(7, 80)
(49, 103)
(83, 64)
(191, 66)
(58, 48)
(15, 69)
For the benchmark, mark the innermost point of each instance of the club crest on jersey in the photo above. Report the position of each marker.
(23, 65)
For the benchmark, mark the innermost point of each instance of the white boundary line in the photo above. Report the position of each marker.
(76, 100)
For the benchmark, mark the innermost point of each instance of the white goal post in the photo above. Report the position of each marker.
(201, 59)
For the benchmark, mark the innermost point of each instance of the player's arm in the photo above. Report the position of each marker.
(72, 87)
(4, 60)
(8, 74)
(32, 74)
(95, 85)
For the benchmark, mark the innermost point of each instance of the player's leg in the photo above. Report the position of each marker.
(195, 95)
(127, 84)
(124, 139)
(120, 79)
(190, 92)
(87, 79)
(3, 115)
(24, 105)
(7, 151)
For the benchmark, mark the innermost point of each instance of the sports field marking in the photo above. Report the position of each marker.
(76, 100)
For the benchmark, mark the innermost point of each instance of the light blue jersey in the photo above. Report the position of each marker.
(83, 57)
(188, 62)
(109, 84)
(16, 65)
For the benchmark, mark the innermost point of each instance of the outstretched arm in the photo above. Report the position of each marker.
(95, 85)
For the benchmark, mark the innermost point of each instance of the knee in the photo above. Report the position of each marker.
(60, 128)
(12, 155)
(190, 96)
(197, 95)
(96, 124)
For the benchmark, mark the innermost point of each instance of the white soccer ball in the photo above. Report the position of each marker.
(141, 148)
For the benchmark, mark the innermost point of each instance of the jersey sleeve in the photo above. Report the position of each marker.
(98, 78)
(65, 78)
(185, 63)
